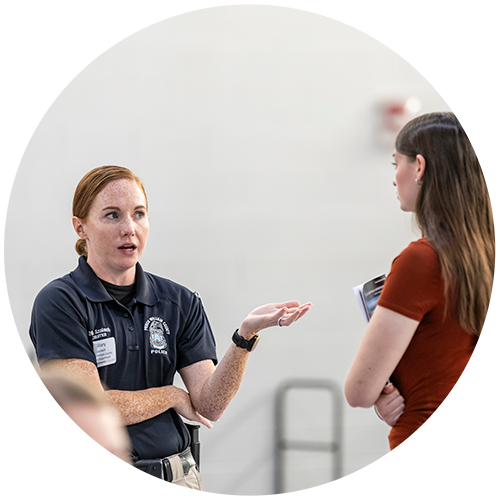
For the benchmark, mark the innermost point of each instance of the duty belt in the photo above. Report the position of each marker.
(161, 467)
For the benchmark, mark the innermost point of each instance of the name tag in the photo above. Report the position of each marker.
(105, 352)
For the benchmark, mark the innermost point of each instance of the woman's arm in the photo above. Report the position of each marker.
(134, 406)
(212, 389)
(386, 339)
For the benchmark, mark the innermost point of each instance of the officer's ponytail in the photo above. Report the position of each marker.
(81, 248)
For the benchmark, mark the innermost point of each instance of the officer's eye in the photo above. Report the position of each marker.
(140, 214)
(112, 215)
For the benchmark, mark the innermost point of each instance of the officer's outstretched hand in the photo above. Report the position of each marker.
(283, 314)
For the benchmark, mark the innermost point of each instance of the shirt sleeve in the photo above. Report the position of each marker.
(196, 342)
(59, 324)
(414, 284)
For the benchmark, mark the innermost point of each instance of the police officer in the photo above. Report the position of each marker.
(127, 331)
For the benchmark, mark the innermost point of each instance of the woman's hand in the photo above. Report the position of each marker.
(269, 314)
(390, 405)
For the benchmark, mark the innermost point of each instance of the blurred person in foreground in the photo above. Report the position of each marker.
(62, 438)
(435, 298)
(128, 331)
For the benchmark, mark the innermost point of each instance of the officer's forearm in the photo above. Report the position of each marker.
(137, 406)
(221, 387)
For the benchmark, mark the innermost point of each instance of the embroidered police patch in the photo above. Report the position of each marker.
(158, 330)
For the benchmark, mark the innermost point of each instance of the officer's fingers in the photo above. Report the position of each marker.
(303, 310)
(205, 422)
(289, 303)
(291, 317)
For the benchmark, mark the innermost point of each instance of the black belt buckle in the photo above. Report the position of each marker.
(167, 468)
(148, 477)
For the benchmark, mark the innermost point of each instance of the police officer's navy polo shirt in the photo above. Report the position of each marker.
(139, 347)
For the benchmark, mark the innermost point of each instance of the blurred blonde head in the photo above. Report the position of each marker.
(62, 438)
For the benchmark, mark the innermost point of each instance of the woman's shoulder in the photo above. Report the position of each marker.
(414, 280)
(419, 259)
(421, 249)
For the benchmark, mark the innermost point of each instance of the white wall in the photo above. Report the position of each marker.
(254, 130)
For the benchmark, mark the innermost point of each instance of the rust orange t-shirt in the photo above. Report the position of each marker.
(440, 347)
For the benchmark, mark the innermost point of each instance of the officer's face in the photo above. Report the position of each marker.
(83, 451)
(116, 231)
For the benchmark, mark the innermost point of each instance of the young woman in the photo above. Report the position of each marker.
(127, 331)
(62, 439)
(434, 302)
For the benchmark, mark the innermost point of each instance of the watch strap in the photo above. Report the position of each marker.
(249, 345)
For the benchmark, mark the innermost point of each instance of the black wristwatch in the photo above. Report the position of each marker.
(249, 345)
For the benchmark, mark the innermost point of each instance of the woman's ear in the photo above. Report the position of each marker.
(78, 226)
(420, 167)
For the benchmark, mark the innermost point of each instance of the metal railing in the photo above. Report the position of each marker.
(281, 445)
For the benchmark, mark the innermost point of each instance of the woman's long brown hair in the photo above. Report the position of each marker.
(453, 212)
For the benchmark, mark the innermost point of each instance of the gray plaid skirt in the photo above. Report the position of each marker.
(470, 472)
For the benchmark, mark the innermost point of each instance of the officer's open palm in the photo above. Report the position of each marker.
(269, 314)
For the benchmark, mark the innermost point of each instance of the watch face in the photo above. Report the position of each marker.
(254, 345)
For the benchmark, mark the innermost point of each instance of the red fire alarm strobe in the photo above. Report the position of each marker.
(395, 114)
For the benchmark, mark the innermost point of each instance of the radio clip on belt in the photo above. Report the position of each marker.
(161, 468)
